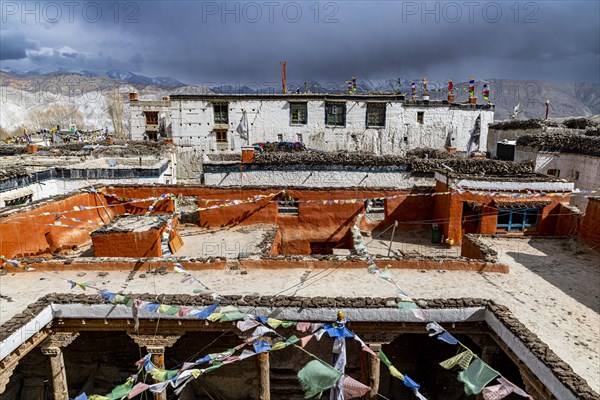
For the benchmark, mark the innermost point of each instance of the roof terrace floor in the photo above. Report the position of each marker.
(553, 288)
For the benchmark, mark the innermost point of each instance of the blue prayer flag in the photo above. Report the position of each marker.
(409, 383)
(448, 338)
(207, 311)
(261, 346)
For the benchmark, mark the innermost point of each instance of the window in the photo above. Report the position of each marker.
(375, 210)
(375, 115)
(280, 137)
(519, 219)
(420, 116)
(287, 205)
(375, 206)
(221, 139)
(576, 175)
(299, 138)
(221, 113)
(554, 172)
(19, 201)
(335, 114)
(151, 117)
(298, 113)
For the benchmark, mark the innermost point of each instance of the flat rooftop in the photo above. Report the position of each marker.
(230, 243)
(553, 288)
(405, 244)
(131, 223)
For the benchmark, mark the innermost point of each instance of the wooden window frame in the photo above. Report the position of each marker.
(339, 117)
(296, 114)
(375, 116)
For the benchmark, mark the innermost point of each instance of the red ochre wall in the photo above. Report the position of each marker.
(449, 209)
(26, 233)
(590, 224)
(128, 244)
(316, 222)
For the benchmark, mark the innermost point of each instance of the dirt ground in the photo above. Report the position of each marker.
(553, 287)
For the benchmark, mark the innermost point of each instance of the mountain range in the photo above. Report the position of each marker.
(121, 75)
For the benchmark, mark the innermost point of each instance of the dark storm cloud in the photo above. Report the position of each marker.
(243, 42)
(13, 45)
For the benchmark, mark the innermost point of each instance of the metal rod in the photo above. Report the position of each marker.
(392, 238)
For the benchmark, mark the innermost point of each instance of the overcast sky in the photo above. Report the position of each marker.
(241, 42)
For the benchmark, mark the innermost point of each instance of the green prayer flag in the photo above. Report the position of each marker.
(384, 358)
(316, 377)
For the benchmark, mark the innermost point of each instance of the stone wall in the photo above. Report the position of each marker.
(474, 248)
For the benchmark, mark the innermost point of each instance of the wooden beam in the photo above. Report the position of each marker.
(10, 362)
(529, 379)
(264, 383)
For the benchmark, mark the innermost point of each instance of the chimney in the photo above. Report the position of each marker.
(247, 155)
(133, 96)
(472, 100)
(450, 97)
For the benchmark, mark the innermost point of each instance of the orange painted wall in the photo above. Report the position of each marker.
(129, 244)
(316, 222)
(26, 233)
(590, 225)
(449, 214)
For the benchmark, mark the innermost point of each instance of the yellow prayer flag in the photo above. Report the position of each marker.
(395, 373)
(273, 323)
(214, 317)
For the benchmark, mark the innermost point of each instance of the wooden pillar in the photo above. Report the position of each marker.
(155, 346)
(264, 384)
(52, 347)
(373, 370)
(157, 356)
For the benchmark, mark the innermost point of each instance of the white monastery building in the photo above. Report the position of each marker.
(374, 123)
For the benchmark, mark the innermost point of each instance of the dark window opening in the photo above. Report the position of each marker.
(420, 117)
(375, 206)
(322, 247)
(298, 113)
(221, 113)
(221, 139)
(19, 201)
(554, 172)
(151, 117)
(375, 115)
(335, 114)
(287, 205)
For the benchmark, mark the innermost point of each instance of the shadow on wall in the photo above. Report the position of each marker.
(568, 265)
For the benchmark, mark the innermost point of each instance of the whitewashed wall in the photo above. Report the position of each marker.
(318, 179)
(581, 169)
(54, 187)
(193, 123)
